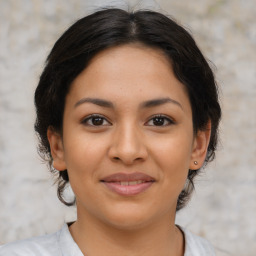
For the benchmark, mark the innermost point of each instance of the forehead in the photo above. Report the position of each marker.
(134, 57)
(131, 72)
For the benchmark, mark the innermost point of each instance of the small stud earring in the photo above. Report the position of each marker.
(195, 162)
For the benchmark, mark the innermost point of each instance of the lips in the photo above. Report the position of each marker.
(128, 184)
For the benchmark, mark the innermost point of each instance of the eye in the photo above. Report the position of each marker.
(160, 120)
(96, 120)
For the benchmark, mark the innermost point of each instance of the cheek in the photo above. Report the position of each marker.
(173, 155)
(173, 150)
(83, 154)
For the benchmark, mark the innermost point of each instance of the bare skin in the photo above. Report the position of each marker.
(165, 240)
(127, 113)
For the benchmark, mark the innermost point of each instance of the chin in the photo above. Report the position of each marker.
(126, 224)
(129, 218)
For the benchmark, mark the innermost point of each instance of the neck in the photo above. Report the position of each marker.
(96, 238)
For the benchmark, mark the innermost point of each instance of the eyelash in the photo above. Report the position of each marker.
(90, 118)
(168, 119)
(159, 116)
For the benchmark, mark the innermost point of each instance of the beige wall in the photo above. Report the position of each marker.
(224, 205)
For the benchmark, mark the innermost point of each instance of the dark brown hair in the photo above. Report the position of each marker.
(108, 28)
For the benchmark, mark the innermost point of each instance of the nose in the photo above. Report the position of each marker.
(128, 145)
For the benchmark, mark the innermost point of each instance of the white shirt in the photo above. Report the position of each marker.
(61, 243)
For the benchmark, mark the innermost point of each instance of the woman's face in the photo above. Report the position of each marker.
(128, 138)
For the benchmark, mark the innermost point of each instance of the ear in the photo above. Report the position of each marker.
(57, 150)
(200, 146)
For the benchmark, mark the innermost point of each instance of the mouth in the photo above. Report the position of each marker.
(128, 184)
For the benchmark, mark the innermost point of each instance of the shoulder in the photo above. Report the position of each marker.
(196, 245)
(43, 245)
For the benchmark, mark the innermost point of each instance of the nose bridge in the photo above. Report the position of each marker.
(128, 144)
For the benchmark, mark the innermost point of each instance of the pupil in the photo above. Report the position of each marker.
(97, 121)
(158, 121)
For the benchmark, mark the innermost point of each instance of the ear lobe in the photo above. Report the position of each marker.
(200, 146)
(57, 150)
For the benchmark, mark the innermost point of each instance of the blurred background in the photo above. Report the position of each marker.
(223, 208)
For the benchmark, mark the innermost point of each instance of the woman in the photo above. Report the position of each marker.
(127, 113)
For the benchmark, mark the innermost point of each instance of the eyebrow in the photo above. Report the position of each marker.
(160, 101)
(145, 104)
(99, 102)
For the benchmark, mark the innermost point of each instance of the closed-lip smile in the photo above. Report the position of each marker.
(128, 184)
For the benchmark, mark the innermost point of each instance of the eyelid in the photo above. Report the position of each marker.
(85, 120)
(170, 120)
